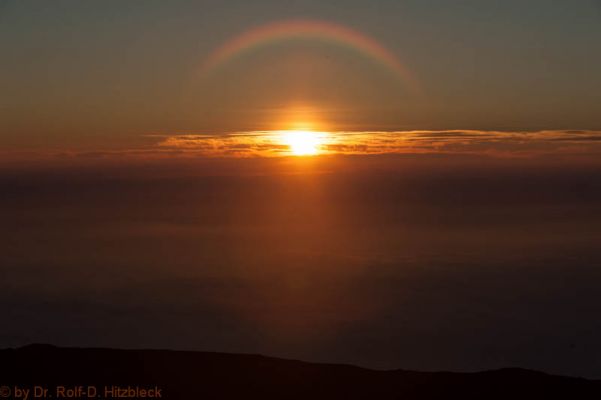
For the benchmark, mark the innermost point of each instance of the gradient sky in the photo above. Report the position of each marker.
(454, 227)
(102, 74)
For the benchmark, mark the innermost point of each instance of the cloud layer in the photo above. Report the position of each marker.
(498, 143)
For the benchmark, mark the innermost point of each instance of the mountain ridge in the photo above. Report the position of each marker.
(215, 375)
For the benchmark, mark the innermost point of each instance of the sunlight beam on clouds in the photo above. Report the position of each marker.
(496, 143)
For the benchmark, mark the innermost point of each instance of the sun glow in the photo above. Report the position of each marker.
(302, 143)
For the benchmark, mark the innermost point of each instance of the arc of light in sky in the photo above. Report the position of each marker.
(309, 29)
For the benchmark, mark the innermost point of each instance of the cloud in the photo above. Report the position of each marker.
(271, 144)
(496, 143)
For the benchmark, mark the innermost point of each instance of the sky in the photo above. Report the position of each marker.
(104, 74)
(442, 212)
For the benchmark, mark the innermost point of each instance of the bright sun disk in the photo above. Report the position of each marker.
(302, 143)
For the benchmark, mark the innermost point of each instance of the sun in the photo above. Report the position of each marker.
(302, 143)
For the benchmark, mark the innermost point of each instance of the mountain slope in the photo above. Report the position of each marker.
(201, 375)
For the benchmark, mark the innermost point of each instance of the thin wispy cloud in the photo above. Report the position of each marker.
(272, 144)
(500, 143)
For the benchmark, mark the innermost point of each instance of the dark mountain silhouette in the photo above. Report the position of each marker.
(202, 375)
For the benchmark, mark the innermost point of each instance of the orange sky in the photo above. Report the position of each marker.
(95, 77)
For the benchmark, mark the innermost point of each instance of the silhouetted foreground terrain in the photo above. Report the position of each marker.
(198, 375)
